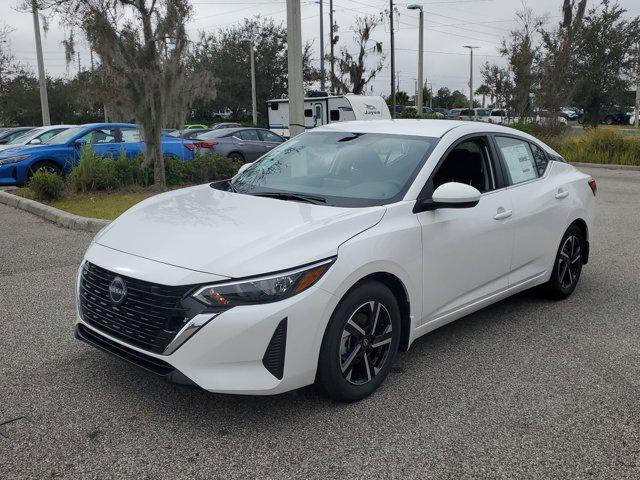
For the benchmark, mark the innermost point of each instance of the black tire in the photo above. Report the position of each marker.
(568, 265)
(237, 156)
(354, 360)
(44, 166)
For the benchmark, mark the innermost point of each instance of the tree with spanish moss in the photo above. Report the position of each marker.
(354, 72)
(142, 46)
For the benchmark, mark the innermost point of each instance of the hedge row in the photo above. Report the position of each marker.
(95, 173)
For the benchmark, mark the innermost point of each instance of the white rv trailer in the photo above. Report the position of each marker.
(328, 109)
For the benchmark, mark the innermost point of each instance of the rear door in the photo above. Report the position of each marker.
(131, 144)
(540, 207)
(250, 144)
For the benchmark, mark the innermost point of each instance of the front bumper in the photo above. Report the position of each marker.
(227, 355)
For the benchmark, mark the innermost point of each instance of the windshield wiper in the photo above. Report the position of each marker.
(315, 199)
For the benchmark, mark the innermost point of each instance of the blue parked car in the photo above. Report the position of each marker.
(62, 152)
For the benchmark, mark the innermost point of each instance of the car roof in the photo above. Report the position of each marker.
(422, 128)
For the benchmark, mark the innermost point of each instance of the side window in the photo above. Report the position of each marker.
(470, 163)
(130, 135)
(540, 158)
(335, 115)
(100, 135)
(308, 112)
(518, 159)
(268, 136)
(249, 135)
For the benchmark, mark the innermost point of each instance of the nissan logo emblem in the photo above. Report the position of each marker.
(117, 291)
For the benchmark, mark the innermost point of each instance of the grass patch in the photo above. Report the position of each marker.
(599, 145)
(102, 205)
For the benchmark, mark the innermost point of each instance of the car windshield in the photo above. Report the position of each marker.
(65, 136)
(24, 136)
(338, 168)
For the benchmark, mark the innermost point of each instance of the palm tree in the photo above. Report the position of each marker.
(483, 90)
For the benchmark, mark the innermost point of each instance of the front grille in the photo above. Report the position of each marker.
(152, 364)
(149, 317)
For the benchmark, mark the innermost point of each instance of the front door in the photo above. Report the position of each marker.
(466, 251)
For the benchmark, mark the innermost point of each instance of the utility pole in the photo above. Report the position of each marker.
(420, 86)
(294, 64)
(470, 76)
(254, 106)
(393, 61)
(322, 72)
(79, 67)
(636, 122)
(334, 39)
(44, 100)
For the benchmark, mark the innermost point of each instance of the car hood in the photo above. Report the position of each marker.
(13, 150)
(231, 234)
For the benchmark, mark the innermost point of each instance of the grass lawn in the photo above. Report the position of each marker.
(106, 206)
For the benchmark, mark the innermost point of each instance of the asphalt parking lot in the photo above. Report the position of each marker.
(526, 388)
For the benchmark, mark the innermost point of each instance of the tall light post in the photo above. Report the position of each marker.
(415, 6)
(393, 60)
(471, 48)
(294, 68)
(322, 72)
(254, 106)
(44, 99)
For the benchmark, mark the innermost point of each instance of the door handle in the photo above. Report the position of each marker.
(562, 194)
(502, 214)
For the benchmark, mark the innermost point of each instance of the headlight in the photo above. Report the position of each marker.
(16, 159)
(263, 289)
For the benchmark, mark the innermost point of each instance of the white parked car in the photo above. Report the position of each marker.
(36, 136)
(331, 253)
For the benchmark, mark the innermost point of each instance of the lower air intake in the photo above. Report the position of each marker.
(273, 359)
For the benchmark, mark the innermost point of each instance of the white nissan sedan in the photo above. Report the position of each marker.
(331, 253)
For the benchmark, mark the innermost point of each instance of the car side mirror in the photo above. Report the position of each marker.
(450, 195)
(35, 141)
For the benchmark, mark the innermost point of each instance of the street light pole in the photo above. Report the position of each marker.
(294, 64)
(44, 100)
(420, 57)
(471, 48)
(636, 122)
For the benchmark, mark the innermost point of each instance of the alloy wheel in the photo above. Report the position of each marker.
(365, 343)
(569, 262)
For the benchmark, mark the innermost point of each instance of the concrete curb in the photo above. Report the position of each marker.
(607, 166)
(54, 215)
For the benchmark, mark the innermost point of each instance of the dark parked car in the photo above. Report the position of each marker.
(244, 144)
(615, 118)
(10, 133)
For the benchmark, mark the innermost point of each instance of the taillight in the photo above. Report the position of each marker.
(490, 120)
(190, 146)
(594, 187)
(207, 144)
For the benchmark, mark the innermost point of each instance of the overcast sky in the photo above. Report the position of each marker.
(449, 25)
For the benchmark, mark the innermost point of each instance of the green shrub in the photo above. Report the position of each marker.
(46, 186)
(104, 173)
